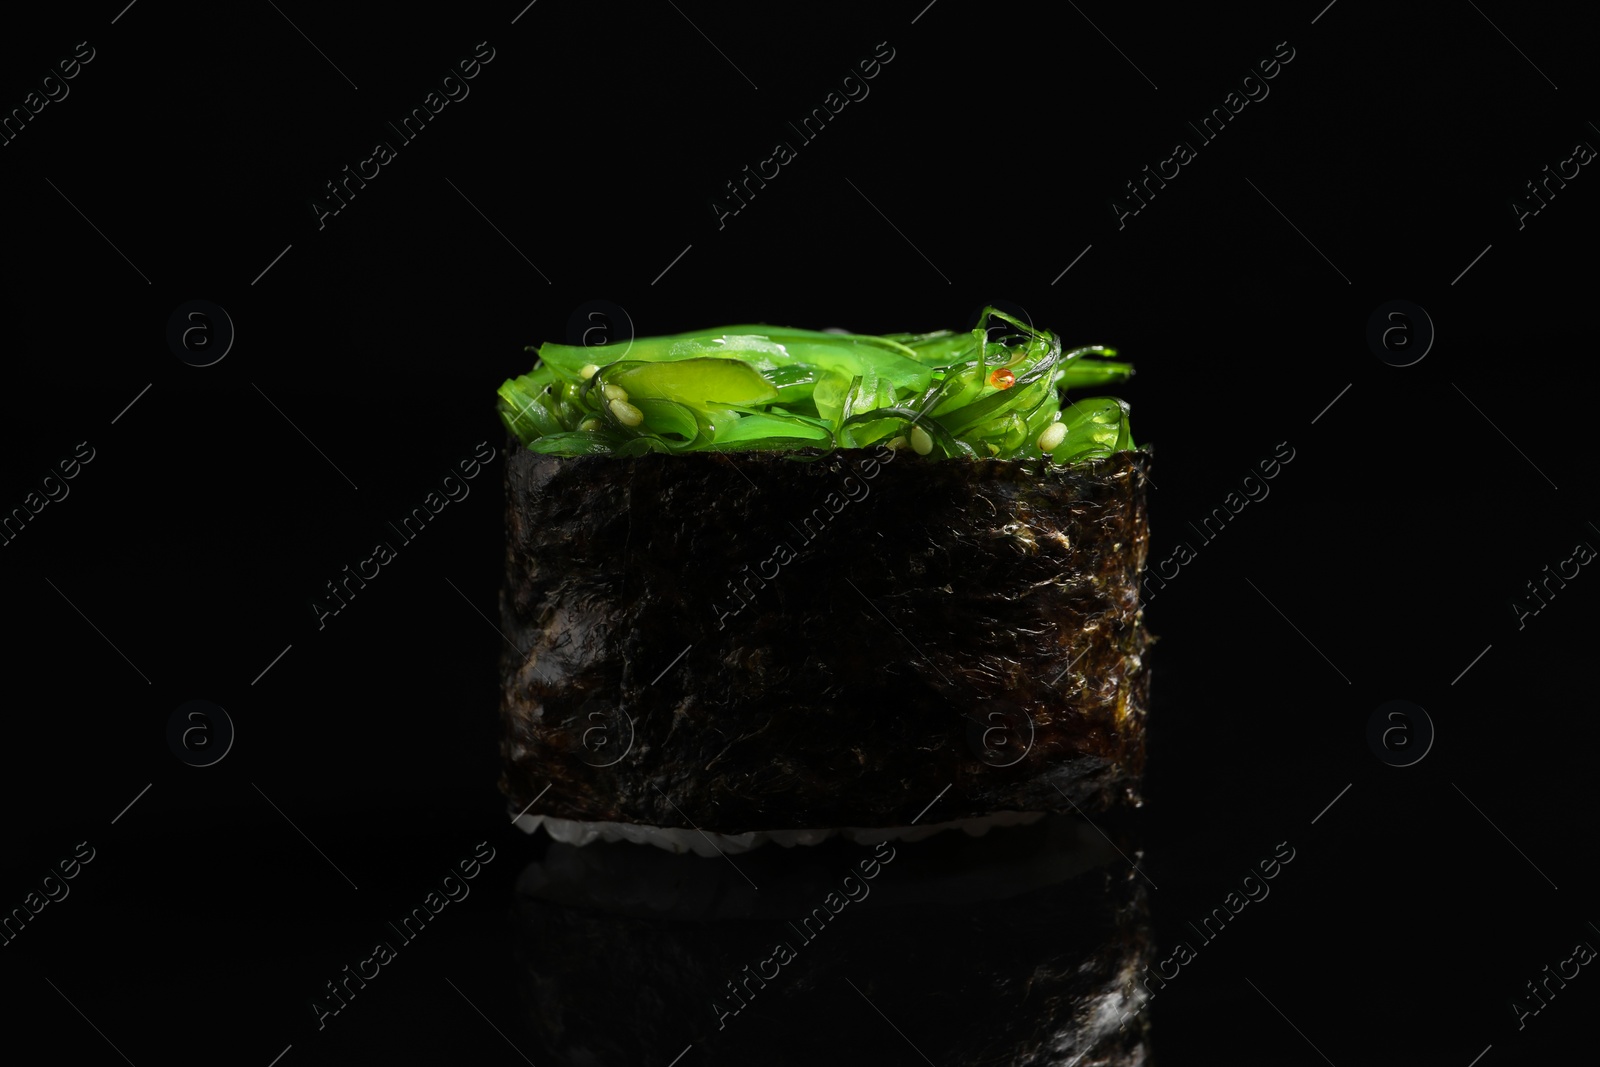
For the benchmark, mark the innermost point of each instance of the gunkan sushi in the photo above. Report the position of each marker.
(776, 584)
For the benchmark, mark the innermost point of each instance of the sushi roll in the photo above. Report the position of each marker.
(778, 586)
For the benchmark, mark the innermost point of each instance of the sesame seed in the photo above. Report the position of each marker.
(626, 413)
(1053, 435)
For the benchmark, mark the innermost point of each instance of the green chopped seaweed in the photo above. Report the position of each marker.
(993, 392)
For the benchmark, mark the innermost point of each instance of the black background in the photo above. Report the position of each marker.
(981, 165)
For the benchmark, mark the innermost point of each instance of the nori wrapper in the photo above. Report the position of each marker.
(749, 641)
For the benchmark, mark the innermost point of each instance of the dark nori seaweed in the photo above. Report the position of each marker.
(848, 689)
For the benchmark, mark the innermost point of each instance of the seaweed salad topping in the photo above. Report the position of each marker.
(998, 391)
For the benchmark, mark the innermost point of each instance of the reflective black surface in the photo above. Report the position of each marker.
(173, 527)
(1015, 947)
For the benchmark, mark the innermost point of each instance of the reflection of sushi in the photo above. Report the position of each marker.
(1021, 949)
(755, 647)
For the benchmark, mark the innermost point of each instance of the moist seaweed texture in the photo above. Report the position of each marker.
(995, 391)
(750, 642)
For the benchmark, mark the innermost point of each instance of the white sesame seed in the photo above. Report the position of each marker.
(1053, 435)
(626, 413)
(921, 443)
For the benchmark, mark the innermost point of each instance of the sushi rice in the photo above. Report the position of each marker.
(702, 843)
